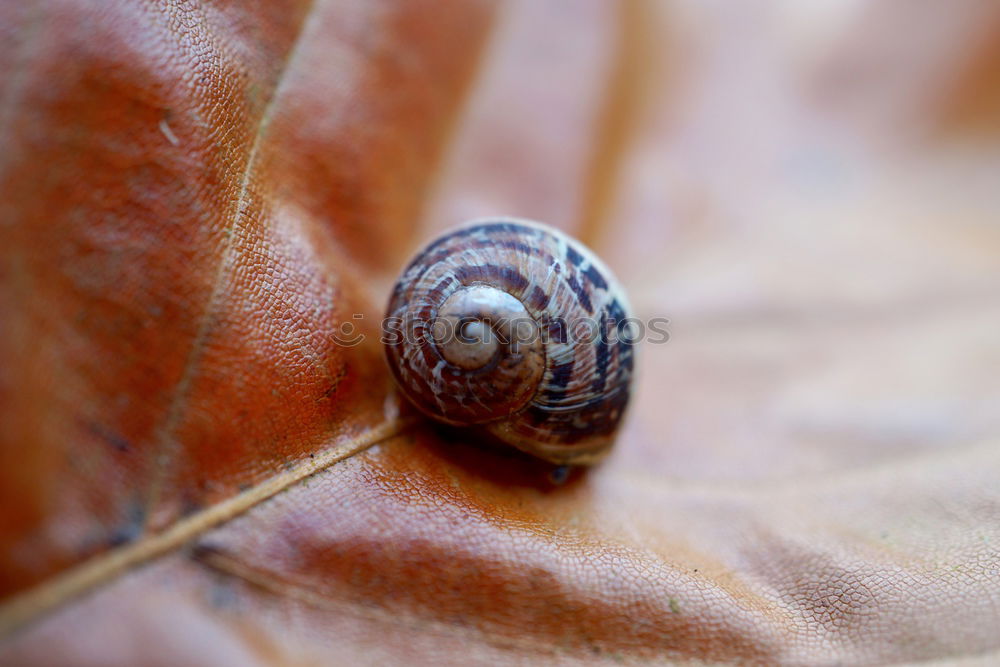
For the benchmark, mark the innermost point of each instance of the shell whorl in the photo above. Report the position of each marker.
(516, 327)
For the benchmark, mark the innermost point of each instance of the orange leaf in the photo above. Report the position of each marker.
(198, 198)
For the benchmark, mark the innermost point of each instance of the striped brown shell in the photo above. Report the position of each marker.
(517, 328)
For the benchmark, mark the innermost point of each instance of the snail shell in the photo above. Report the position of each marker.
(516, 328)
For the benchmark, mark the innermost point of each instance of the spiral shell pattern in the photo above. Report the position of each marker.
(515, 327)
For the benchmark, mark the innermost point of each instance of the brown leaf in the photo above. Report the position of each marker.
(195, 199)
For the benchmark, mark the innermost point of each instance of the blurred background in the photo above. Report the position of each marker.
(809, 191)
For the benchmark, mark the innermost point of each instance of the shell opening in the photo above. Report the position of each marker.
(486, 333)
(478, 323)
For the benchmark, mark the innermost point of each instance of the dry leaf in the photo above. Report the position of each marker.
(197, 198)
